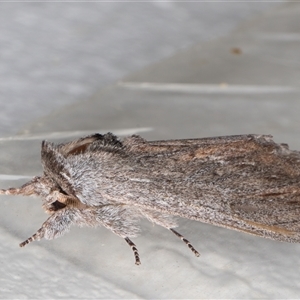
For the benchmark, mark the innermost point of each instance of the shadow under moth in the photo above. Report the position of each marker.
(244, 182)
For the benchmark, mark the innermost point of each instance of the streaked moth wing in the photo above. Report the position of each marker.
(246, 182)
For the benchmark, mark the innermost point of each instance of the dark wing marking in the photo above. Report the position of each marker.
(78, 146)
(96, 142)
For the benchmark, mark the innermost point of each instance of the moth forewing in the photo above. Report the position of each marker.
(246, 182)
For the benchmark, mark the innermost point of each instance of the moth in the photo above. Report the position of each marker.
(244, 182)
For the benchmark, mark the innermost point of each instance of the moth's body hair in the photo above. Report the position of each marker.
(246, 182)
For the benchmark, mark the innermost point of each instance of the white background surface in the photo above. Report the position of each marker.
(53, 54)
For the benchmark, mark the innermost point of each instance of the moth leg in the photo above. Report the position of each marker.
(186, 242)
(135, 251)
(36, 237)
(166, 221)
(120, 219)
(56, 225)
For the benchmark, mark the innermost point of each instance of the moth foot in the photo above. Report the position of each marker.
(135, 251)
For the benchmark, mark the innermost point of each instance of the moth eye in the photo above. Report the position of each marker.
(57, 205)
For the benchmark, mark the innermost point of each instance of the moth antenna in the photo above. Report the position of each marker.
(36, 237)
(10, 191)
(186, 242)
(27, 189)
(135, 251)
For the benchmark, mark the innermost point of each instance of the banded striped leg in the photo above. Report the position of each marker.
(135, 251)
(186, 242)
(36, 237)
(55, 226)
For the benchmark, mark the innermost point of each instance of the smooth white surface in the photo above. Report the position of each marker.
(53, 54)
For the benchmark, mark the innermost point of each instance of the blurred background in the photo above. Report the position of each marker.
(54, 54)
(162, 70)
